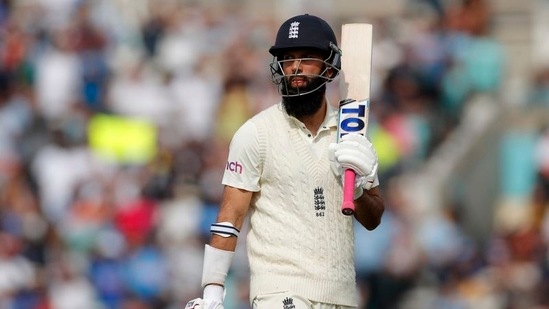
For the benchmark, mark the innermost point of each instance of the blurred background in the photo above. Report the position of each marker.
(115, 119)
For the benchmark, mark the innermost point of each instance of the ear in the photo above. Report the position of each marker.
(331, 73)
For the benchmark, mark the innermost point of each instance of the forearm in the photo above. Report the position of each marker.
(224, 237)
(217, 258)
(369, 208)
(227, 244)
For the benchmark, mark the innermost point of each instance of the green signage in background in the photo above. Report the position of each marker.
(121, 139)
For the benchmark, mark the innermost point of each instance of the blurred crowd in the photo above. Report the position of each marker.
(92, 221)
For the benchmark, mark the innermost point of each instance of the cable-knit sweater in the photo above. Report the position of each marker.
(298, 239)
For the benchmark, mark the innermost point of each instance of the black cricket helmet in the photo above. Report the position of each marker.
(306, 31)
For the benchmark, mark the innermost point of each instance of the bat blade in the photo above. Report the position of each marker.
(354, 87)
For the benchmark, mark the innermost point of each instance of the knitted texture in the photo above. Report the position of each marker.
(299, 241)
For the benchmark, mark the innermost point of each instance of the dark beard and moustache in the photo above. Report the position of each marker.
(303, 105)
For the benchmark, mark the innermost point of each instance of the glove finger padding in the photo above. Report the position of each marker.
(195, 304)
(366, 182)
(355, 151)
(199, 303)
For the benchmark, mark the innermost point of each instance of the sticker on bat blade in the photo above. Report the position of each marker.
(352, 116)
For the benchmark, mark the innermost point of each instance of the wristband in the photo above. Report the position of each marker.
(224, 229)
(216, 265)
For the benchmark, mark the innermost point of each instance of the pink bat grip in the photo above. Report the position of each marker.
(348, 205)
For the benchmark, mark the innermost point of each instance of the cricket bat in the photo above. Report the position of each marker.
(354, 87)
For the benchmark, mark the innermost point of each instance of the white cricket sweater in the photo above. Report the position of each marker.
(298, 239)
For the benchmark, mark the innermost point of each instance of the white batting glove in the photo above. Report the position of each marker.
(213, 298)
(356, 152)
(199, 303)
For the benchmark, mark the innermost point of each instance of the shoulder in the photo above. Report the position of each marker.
(266, 119)
(253, 126)
(253, 134)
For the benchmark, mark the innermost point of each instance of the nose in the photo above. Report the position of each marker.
(296, 66)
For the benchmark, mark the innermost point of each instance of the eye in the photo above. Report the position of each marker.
(287, 57)
(312, 60)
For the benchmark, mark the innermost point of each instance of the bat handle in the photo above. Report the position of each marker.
(348, 205)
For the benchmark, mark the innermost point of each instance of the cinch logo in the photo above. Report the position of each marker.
(234, 167)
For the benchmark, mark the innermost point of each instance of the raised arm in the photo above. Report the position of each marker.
(356, 152)
(369, 208)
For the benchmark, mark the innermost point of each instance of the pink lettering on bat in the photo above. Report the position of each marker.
(234, 167)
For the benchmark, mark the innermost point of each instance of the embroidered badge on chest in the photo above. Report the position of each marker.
(319, 201)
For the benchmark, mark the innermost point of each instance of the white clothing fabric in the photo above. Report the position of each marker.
(72, 293)
(196, 99)
(58, 171)
(57, 82)
(298, 239)
(141, 96)
(15, 273)
(290, 300)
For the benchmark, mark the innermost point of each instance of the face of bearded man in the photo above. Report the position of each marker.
(303, 105)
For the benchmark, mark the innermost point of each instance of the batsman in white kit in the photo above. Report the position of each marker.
(287, 170)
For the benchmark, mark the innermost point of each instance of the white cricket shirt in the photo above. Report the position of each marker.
(298, 239)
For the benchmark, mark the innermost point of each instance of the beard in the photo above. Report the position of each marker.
(306, 104)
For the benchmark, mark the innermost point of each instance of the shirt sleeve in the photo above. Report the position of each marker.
(243, 167)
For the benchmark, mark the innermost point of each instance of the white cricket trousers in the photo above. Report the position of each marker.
(287, 300)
